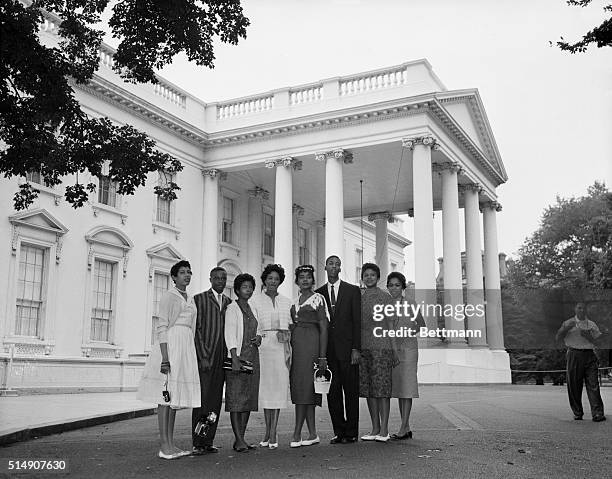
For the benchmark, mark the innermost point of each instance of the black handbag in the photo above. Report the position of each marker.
(246, 366)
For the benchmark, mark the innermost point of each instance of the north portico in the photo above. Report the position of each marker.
(418, 148)
(273, 177)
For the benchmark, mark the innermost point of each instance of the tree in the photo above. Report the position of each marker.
(600, 35)
(567, 259)
(572, 248)
(42, 126)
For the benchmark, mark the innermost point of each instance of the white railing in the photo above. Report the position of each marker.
(245, 106)
(51, 25)
(308, 94)
(368, 82)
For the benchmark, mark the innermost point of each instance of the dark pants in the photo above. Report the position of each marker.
(345, 380)
(211, 387)
(582, 367)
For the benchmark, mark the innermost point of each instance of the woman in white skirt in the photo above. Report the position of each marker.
(172, 365)
(274, 353)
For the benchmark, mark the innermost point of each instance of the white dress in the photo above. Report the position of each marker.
(274, 374)
(177, 318)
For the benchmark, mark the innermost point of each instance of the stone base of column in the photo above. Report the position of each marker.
(464, 366)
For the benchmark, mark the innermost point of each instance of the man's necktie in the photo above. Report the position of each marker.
(333, 299)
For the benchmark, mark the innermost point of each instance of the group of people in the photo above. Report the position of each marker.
(265, 348)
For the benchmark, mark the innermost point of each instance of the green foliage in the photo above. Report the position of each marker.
(572, 248)
(42, 127)
(600, 35)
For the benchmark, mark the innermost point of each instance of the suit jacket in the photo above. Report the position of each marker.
(344, 332)
(210, 326)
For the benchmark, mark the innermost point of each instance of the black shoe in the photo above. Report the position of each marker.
(211, 449)
(397, 437)
(198, 450)
(348, 440)
(599, 418)
(577, 417)
(336, 440)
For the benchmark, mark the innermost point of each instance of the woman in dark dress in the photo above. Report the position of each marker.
(378, 355)
(242, 340)
(309, 346)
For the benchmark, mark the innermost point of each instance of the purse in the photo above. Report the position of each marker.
(247, 366)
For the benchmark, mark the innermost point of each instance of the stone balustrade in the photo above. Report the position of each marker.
(377, 80)
(306, 94)
(245, 106)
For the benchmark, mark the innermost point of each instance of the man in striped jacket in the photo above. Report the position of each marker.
(210, 349)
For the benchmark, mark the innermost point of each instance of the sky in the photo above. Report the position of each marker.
(550, 111)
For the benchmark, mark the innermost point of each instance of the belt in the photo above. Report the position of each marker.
(183, 325)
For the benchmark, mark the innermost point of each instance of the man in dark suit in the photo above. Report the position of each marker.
(344, 343)
(210, 350)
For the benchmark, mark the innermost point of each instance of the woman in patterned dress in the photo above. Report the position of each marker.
(378, 355)
(309, 347)
(272, 310)
(172, 364)
(242, 340)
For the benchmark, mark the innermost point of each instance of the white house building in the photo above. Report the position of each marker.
(283, 176)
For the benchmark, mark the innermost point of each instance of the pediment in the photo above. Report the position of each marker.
(165, 251)
(466, 108)
(40, 219)
(109, 236)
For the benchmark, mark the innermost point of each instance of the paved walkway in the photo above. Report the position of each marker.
(25, 417)
(521, 431)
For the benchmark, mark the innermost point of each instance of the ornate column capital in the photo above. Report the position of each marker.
(381, 215)
(494, 205)
(426, 140)
(477, 187)
(259, 192)
(320, 223)
(298, 210)
(287, 161)
(447, 165)
(211, 172)
(338, 154)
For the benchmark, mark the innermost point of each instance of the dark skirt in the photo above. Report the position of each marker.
(305, 347)
(375, 373)
(241, 389)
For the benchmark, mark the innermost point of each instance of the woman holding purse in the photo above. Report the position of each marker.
(170, 377)
(242, 340)
(272, 310)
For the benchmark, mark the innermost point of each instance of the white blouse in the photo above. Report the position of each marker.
(272, 316)
(234, 327)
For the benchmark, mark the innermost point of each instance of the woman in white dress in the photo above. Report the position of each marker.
(172, 365)
(274, 352)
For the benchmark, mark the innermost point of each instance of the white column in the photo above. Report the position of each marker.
(495, 330)
(210, 226)
(297, 212)
(424, 257)
(283, 219)
(381, 220)
(320, 262)
(334, 200)
(473, 263)
(257, 196)
(453, 287)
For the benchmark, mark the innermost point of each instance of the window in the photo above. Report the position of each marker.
(30, 289)
(107, 191)
(358, 264)
(102, 302)
(268, 239)
(34, 177)
(161, 284)
(303, 245)
(228, 220)
(163, 205)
